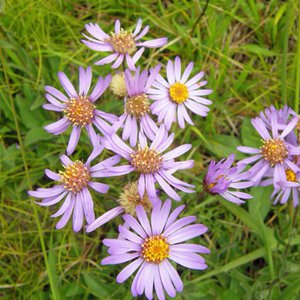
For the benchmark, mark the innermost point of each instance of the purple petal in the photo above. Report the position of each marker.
(67, 85)
(107, 60)
(66, 216)
(74, 138)
(142, 217)
(77, 214)
(119, 259)
(133, 223)
(87, 204)
(106, 217)
(129, 270)
(187, 233)
(56, 93)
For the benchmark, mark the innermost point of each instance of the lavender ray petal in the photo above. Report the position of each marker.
(74, 138)
(106, 217)
(67, 214)
(143, 219)
(129, 270)
(77, 214)
(67, 85)
(187, 233)
(190, 248)
(133, 223)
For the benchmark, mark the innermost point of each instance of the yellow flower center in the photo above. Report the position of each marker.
(178, 92)
(75, 177)
(118, 85)
(290, 175)
(155, 249)
(130, 198)
(137, 105)
(274, 151)
(80, 111)
(146, 161)
(123, 42)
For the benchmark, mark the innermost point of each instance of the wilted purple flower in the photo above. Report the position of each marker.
(136, 116)
(172, 97)
(276, 152)
(129, 199)
(150, 246)
(283, 116)
(73, 188)
(78, 108)
(123, 44)
(151, 164)
(222, 176)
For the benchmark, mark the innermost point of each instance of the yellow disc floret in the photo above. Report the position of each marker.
(118, 85)
(290, 175)
(274, 151)
(80, 111)
(123, 42)
(75, 176)
(155, 249)
(146, 160)
(178, 92)
(137, 105)
(130, 198)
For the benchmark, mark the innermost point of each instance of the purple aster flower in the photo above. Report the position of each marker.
(172, 97)
(276, 152)
(151, 164)
(78, 108)
(283, 116)
(129, 200)
(136, 115)
(222, 176)
(151, 245)
(123, 44)
(283, 189)
(74, 182)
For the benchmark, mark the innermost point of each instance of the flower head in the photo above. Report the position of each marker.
(118, 85)
(284, 189)
(129, 200)
(78, 108)
(73, 186)
(151, 164)
(172, 97)
(222, 176)
(136, 116)
(122, 43)
(151, 245)
(277, 150)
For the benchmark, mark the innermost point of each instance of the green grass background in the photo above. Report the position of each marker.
(250, 51)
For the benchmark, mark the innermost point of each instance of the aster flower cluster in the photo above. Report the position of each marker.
(140, 141)
(275, 162)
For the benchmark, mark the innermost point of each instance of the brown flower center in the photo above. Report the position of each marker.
(146, 160)
(178, 92)
(130, 198)
(75, 177)
(80, 111)
(274, 151)
(137, 105)
(155, 249)
(123, 42)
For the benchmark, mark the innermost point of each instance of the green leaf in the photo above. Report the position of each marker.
(256, 49)
(261, 202)
(250, 137)
(95, 286)
(35, 135)
(223, 145)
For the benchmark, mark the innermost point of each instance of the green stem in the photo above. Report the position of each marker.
(284, 56)
(22, 150)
